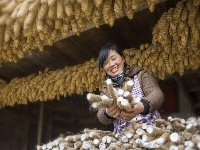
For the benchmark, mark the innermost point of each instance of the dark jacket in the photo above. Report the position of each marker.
(149, 86)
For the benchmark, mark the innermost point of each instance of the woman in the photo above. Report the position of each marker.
(112, 60)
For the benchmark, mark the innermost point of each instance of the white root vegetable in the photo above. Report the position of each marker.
(87, 145)
(174, 137)
(129, 86)
(155, 143)
(78, 144)
(96, 142)
(50, 145)
(120, 92)
(128, 96)
(136, 136)
(111, 90)
(189, 144)
(69, 138)
(129, 134)
(124, 139)
(196, 139)
(156, 130)
(58, 140)
(173, 147)
(93, 97)
(84, 137)
(139, 131)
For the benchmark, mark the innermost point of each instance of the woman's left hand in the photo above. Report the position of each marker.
(132, 112)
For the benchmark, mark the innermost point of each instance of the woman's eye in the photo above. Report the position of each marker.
(105, 63)
(114, 59)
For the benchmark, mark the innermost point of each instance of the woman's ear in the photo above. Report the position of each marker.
(123, 58)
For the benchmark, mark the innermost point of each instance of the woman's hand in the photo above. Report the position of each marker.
(113, 111)
(132, 112)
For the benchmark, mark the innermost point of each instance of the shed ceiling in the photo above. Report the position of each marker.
(76, 49)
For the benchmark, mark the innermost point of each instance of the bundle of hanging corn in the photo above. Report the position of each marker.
(29, 24)
(49, 85)
(165, 134)
(176, 43)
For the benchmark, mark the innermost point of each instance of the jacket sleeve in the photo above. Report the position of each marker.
(102, 118)
(101, 112)
(151, 90)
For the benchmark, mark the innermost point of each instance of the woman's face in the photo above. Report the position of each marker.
(114, 64)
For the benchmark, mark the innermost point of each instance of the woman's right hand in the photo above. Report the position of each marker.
(113, 111)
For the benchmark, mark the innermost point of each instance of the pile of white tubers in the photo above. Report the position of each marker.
(165, 134)
(122, 97)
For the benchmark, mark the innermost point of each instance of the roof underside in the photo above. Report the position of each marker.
(76, 49)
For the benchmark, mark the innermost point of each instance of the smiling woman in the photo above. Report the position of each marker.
(114, 64)
(111, 59)
(146, 89)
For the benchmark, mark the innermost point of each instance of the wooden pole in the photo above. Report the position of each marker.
(40, 123)
(185, 94)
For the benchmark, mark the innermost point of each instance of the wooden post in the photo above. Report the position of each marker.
(40, 123)
(185, 94)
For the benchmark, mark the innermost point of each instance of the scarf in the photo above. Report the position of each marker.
(119, 79)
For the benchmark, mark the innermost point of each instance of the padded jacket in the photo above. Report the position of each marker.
(148, 84)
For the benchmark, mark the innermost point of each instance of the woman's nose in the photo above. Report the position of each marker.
(111, 63)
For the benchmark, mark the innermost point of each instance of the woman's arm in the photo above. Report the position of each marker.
(107, 115)
(151, 90)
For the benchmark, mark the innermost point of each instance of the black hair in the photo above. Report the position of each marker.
(103, 54)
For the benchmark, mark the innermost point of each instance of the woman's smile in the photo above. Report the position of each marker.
(114, 64)
(114, 69)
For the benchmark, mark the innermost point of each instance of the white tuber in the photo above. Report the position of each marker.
(39, 147)
(111, 90)
(120, 92)
(94, 134)
(129, 86)
(169, 118)
(153, 144)
(173, 147)
(104, 98)
(64, 145)
(87, 145)
(196, 138)
(189, 144)
(129, 135)
(69, 138)
(96, 142)
(102, 146)
(155, 130)
(77, 145)
(198, 145)
(56, 148)
(124, 139)
(128, 96)
(136, 99)
(94, 105)
(127, 146)
(187, 135)
(58, 140)
(145, 138)
(174, 137)
(44, 147)
(84, 137)
(93, 97)
(124, 105)
(50, 145)
(144, 126)
(139, 131)
(119, 99)
(77, 137)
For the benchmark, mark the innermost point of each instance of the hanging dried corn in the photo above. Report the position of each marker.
(27, 19)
